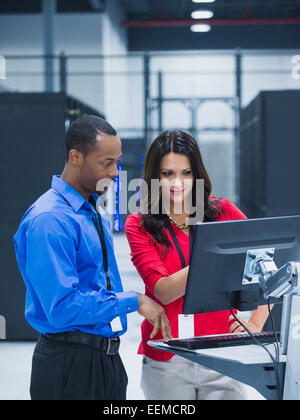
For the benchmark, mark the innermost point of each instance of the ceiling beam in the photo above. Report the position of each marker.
(211, 22)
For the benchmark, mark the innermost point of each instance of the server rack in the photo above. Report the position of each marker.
(269, 155)
(32, 132)
(269, 159)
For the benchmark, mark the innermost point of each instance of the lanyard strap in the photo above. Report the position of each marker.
(177, 245)
(100, 231)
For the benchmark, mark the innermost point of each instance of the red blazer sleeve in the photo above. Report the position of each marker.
(144, 254)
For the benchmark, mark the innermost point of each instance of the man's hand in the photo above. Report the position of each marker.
(156, 315)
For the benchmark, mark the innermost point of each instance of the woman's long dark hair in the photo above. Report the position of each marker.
(181, 143)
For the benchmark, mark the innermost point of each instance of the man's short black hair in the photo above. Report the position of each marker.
(82, 135)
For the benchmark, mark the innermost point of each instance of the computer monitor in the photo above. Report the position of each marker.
(218, 257)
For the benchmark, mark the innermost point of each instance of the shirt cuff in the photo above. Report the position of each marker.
(128, 302)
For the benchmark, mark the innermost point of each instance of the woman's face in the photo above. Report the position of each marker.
(176, 178)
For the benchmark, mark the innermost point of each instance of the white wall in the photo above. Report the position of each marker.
(20, 34)
(114, 43)
(114, 35)
(73, 33)
(270, 71)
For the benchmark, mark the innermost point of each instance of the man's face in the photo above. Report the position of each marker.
(99, 167)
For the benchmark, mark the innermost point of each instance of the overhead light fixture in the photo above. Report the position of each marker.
(200, 28)
(202, 14)
(204, 1)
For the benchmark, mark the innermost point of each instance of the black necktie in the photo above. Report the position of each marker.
(100, 231)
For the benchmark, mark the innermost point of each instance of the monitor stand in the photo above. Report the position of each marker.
(251, 365)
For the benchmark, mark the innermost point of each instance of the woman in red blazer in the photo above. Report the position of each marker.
(175, 160)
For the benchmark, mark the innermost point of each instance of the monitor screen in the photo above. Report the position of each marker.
(218, 257)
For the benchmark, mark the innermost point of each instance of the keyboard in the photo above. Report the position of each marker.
(223, 340)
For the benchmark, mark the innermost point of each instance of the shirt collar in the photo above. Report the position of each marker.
(72, 196)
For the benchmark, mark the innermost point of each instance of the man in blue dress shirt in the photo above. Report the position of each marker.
(75, 298)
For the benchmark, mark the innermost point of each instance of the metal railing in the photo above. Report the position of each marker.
(145, 93)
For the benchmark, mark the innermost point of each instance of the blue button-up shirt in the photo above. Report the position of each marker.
(60, 258)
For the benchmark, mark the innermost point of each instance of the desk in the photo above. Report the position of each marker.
(250, 364)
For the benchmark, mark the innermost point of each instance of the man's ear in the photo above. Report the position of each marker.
(75, 157)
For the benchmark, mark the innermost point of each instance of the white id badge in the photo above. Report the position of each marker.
(186, 326)
(116, 324)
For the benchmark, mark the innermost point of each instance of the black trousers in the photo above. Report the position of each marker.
(71, 371)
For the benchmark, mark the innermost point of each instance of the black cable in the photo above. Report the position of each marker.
(275, 364)
(277, 345)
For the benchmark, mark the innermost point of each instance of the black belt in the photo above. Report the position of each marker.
(109, 345)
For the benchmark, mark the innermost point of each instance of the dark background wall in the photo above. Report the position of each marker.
(252, 37)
